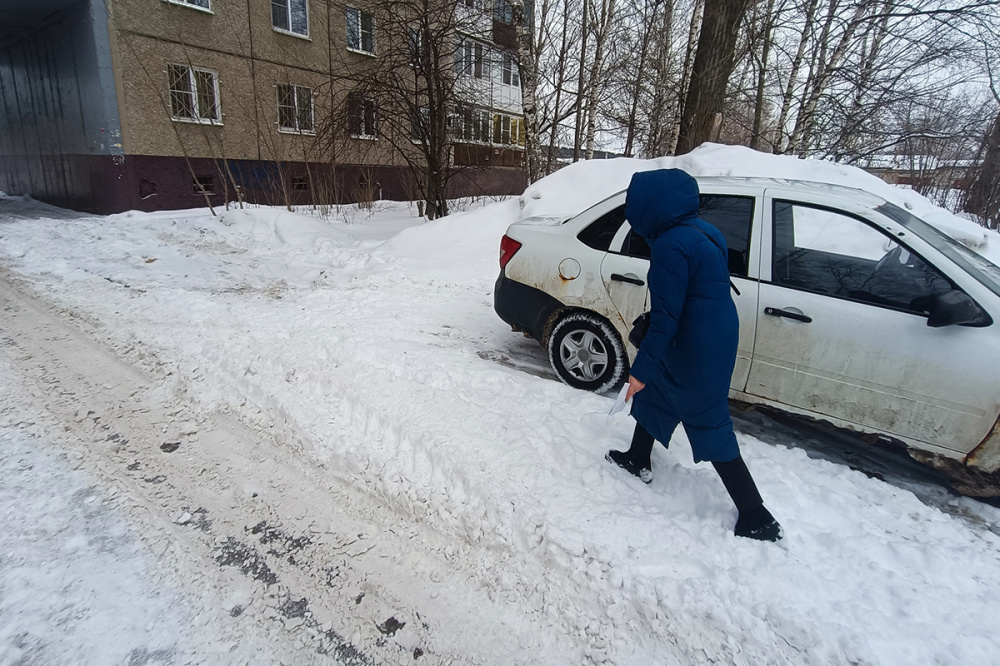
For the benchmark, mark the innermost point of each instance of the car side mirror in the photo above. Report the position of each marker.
(956, 308)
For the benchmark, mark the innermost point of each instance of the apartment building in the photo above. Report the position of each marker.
(112, 105)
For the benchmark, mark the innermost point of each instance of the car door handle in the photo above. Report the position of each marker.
(775, 312)
(631, 279)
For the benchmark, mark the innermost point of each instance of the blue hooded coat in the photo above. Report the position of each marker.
(688, 355)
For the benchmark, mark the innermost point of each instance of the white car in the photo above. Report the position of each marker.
(852, 310)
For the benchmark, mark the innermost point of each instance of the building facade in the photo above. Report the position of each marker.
(111, 105)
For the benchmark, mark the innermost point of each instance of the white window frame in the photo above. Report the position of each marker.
(472, 58)
(192, 90)
(510, 72)
(288, 17)
(296, 91)
(471, 121)
(359, 36)
(512, 125)
(191, 4)
(370, 133)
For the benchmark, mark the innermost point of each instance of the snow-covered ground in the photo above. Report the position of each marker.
(369, 353)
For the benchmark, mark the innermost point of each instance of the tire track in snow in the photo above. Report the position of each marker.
(240, 481)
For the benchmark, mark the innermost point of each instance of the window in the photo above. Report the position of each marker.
(599, 233)
(635, 245)
(198, 4)
(204, 185)
(463, 57)
(361, 117)
(300, 184)
(732, 216)
(729, 214)
(360, 30)
(829, 252)
(472, 58)
(194, 94)
(511, 72)
(415, 42)
(290, 16)
(503, 11)
(420, 125)
(480, 67)
(295, 108)
(472, 125)
(508, 130)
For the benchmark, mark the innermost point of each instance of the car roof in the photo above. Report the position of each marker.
(858, 194)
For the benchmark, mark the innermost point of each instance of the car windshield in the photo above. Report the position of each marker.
(976, 265)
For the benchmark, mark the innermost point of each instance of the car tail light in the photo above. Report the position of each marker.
(508, 247)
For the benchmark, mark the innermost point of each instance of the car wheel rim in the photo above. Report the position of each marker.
(584, 355)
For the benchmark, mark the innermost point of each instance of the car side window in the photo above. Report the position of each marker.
(830, 252)
(731, 215)
(636, 246)
(599, 233)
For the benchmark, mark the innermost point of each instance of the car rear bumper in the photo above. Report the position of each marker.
(525, 308)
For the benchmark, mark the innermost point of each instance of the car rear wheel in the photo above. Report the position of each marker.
(586, 352)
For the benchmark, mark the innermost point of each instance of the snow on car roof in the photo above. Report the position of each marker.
(578, 186)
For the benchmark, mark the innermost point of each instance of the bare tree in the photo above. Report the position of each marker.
(582, 84)
(713, 63)
(663, 107)
(527, 58)
(430, 91)
(603, 21)
(983, 197)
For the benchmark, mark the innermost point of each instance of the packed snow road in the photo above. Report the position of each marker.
(279, 561)
(307, 444)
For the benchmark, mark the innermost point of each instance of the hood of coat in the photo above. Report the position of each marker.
(658, 200)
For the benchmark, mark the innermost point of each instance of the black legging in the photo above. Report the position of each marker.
(734, 473)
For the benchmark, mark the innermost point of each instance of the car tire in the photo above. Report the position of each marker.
(586, 352)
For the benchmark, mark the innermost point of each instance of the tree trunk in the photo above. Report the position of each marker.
(560, 80)
(800, 54)
(528, 66)
(983, 197)
(581, 85)
(758, 108)
(694, 31)
(798, 142)
(664, 95)
(606, 18)
(637, 88)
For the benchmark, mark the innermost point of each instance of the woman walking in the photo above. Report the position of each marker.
(682, 372)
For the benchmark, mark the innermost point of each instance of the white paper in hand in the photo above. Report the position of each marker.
(620, 404)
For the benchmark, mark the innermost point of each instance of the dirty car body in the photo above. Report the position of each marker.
(852, 311)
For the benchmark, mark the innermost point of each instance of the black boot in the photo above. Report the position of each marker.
(635, 461)
(755, 521)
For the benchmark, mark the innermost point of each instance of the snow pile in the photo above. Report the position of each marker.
(580, 185)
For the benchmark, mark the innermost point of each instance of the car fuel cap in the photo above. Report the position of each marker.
(569, 269)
